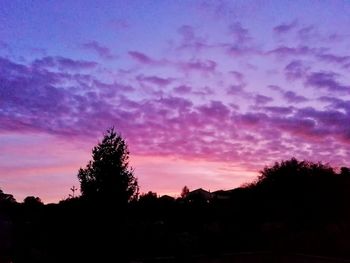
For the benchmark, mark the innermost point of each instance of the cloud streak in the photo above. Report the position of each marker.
(156, 126)
(102, 51)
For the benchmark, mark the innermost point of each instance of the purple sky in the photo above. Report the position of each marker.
(206, 93)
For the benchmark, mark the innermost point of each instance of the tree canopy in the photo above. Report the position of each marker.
(184, 192)
(6, 198)
(293, 171)
(32, 201)
(108, 177)
(302, 183)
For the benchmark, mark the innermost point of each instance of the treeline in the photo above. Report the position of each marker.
(292, 207)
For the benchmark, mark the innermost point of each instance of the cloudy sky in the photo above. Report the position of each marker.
(206, 93)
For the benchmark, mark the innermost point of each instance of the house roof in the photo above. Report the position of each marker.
(199, 193)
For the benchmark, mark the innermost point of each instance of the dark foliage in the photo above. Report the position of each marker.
(108, 177)
(32, 201)
(184, 192)
(6, 199)
(294, 207)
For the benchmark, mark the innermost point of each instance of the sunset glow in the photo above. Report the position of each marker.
(206, 93)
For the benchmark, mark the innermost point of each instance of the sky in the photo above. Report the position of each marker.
(205, 93)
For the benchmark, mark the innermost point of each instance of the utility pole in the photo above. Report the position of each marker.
(73, 189)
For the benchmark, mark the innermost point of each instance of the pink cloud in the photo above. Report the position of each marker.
(240, 34)
(102, 51)
(284, 51)
(332, 58)
(183, 89)
(296, 69)
(205, 66)
(202, 66)
(262, 100)
(141, 57)
(292, 97)
(285, 27)
(308, 33)
(190, 40)
(279, 110)
(326, 80)
(159, 81)
(64, 63)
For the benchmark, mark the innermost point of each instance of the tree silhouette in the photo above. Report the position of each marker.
(345, 171)
(73, 189)
(300, 191)
(294, 171)
(184, 192)
(32, 201)
(108, 177)
(148, 198)
(6, 198)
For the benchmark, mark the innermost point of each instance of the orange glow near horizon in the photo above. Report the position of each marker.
(46, 172)
(168, 175)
